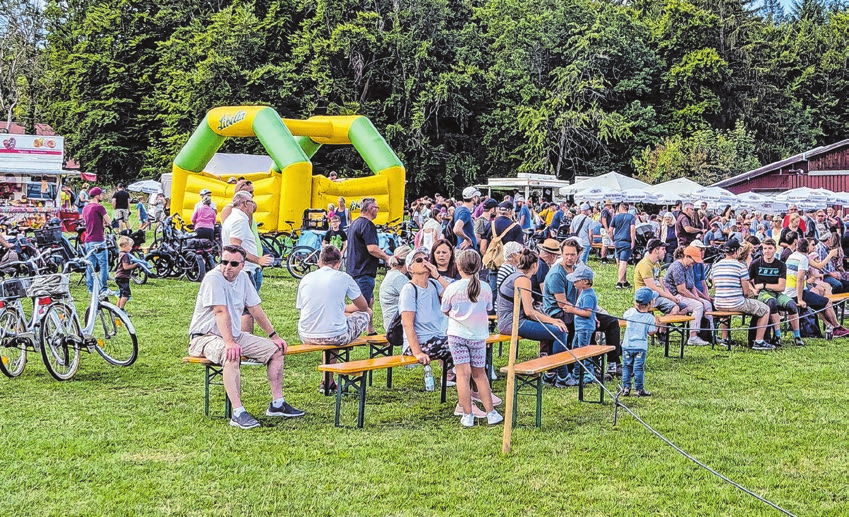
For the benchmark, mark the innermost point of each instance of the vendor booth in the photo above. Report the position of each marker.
(31, 176)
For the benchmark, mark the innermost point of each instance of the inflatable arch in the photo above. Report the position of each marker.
(288, 187)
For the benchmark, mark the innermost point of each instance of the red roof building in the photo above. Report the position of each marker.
(824, 167)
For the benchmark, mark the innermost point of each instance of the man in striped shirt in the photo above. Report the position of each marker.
(732, 290)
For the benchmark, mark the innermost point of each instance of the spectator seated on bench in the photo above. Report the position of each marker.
(325, 319)
(216, 334)
(768, 276)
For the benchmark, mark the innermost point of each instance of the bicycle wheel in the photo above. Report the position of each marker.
(60, 338)
(162, 264)
(114, 335)
(197, 268)
(138, 275)
(13, 350)
(301, 261)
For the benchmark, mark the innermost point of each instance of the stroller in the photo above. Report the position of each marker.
(644, 233)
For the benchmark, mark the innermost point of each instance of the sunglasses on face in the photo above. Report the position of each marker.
(419, 260)
(231, 263)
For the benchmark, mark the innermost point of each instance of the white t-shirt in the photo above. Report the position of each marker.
(216, 290)
(467, 319)
(427, 237)
(321, 300)
(429, 321)
(238, 226)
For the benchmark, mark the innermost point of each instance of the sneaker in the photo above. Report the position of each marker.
(330, 392)
(285, 410)
(774, 341)
(451, 380)
(495, 400)
(244, 421)
(762, 346)
(841, 332)
(619, 369)
(798, 341)
(548, 378)
(620, 285)
(476, 411)
(493, 418)
(588, 380)
(568, 382)
(626, 285)
(626, 392)
(467, 420)
(697, 341)
(611, 368)
(642, 393)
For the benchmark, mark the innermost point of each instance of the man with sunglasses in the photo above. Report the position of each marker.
(215, 334)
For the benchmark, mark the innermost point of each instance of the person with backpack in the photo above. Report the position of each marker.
(580, 228)
(500, 231)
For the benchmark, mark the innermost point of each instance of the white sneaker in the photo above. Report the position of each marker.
(467, 420)
(697, 341)
(493, 418)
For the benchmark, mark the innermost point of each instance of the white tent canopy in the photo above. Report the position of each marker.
(610, 182)
(677, 188)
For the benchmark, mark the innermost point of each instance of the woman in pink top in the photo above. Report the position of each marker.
(204, 219)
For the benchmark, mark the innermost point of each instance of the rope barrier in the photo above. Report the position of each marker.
(666, 440)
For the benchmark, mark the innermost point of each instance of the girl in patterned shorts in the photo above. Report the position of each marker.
(467, 302)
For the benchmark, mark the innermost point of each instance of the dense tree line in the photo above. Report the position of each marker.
(461, 89)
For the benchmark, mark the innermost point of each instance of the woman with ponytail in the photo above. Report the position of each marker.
(467, 303)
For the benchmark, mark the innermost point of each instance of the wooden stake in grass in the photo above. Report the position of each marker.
(511, 374)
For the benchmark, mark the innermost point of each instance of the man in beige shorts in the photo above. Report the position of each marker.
(215, 333)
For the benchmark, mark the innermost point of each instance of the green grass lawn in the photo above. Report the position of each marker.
(134, 441)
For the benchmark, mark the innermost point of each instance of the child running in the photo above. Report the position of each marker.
(124, 270)
(467, 302)
(639, 324)
(584, 311)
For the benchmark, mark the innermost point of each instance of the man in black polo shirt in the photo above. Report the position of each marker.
(121, 206)
(769, 277)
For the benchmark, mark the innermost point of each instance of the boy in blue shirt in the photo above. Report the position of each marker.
(584, 311)
(639, 324)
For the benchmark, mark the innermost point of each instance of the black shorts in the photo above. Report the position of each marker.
(123, 287)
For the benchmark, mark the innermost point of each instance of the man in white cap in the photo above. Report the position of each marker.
(580, 228)
(462, 224)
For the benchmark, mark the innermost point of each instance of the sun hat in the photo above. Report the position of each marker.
(551, 246)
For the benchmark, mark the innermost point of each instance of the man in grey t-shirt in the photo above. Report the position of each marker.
(215, 333)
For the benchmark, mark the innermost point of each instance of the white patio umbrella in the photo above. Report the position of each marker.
(667, 198)
(634, 195)
(831, 196)
(714, 195)
(146, 186)
(842, 198)
(804, 195)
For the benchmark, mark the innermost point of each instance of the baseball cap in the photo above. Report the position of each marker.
(585, 206)
(232, 179)
(653, 245)
(415, 253)
(490, 204)
(95, 192)
(505, 205)
(694, 253)
(698, 244)
(205, 192)
(731, 246)
(581, 273)
(644, 295)
(551, 246)
(470, 192)
(520, 199)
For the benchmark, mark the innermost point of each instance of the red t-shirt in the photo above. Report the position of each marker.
(93, 215)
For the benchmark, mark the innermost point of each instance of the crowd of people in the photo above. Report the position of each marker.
(469, 259)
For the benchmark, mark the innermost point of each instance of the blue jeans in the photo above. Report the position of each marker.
(582, 339)
(101, 258)
(585, 255)
(634, 361)
(256, 278)
(543, 332)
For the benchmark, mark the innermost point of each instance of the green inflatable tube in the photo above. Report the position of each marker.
(200, 148)
(277, 139)
(373, 148)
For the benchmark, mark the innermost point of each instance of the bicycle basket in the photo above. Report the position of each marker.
(14, 288)
(50, 285)
(48, 236)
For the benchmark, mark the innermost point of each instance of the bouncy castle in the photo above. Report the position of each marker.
(284, 186)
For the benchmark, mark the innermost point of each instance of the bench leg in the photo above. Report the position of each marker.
(539, 400)
(381, 351)
(580, 381)
(601, 379)
(359, 381)
(666, 336)
(207, 377)
(685, 330)
(211, 373)
(444, 384)
(489, 368)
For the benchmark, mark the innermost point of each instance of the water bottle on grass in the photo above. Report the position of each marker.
(428, 378)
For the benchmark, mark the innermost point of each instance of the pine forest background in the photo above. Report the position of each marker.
(461, 89)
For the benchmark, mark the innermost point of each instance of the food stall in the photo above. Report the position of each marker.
(31, 177)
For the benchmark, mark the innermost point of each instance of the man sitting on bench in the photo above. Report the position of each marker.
(325, 319)
(216, 334)
(768, 277)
